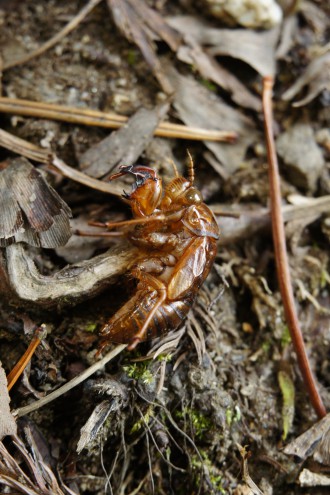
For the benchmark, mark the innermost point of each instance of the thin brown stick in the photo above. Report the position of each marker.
(281, 256)
(26, 358)
(110, 120)
(54, 39)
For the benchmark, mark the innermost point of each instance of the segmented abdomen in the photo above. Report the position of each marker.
(127, 322)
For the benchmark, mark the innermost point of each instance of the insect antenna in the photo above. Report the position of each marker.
(191, 171)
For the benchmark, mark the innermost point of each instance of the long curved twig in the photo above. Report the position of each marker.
(281, 256)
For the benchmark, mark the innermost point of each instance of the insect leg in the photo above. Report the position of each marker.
(161, 289)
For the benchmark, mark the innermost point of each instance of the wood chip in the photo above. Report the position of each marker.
(7, 422)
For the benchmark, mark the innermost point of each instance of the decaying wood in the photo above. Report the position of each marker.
(252, 218)
(73, 283)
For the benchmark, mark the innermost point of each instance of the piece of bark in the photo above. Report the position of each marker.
(252, 218)
(197, 105)
(31, 211)
(7, 422)
(71, 284)
(256, 48)
(122, 147)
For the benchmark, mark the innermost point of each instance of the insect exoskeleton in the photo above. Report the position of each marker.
(177, 234)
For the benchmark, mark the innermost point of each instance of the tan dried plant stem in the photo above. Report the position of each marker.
(96, 118)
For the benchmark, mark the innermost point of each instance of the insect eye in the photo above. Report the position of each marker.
(193, 196)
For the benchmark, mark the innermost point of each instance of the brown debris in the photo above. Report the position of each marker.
(310, 441)
(210, 69)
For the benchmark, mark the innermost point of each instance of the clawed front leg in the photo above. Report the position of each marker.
(148, 281)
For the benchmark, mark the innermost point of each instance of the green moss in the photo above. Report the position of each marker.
(199, 422)
(139, 371)
(212, 472)
(165, 357)
(90, 327)
(209, 85)
(142, 421)
(324, 278)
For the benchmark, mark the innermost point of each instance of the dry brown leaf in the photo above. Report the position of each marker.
(309, 478)
(256, 48)
(197, 105)
(308, 443)
(193, 54)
